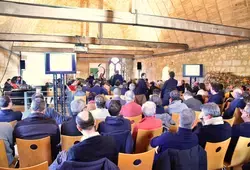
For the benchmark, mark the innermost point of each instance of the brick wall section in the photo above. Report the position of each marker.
(233, 58)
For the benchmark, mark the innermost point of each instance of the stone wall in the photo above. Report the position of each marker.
(234, 58)
(13, 66)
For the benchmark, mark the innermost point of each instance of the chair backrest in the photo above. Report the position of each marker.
(33, 152)
(109, 97)
(197, 114)
(18, 108)
(176, 119)
(69, 141)
(80, 97)
(3, 155)
(97, 122)
(230, 121)
(141, 161)
(134, 119)
(241, 153)
(144, 137)
(216, 153)
(237, 115)
(13, 123)
(42, 166)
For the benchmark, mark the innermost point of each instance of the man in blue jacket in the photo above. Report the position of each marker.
(98, 89)
(182, 140)
(6, 113)
(238, 102)
(93, 146)
(116, 77)
(169, 85)
(216, 97)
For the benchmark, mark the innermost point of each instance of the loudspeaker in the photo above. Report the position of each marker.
(22, 64)
(139, 66)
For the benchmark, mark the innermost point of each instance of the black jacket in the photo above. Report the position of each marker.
(190, 159)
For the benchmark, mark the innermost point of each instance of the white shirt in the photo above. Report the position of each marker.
(100, 113)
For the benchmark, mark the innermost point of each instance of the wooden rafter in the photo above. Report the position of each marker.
(106, 16)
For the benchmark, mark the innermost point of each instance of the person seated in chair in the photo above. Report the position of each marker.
(115, 122)
(216, 97)
(79, 92)
(149, 122)
(6, 134)
(93, 146)
(176, 105)
(38, 126)
(98, 89)
(69, 127)
(7, 85)
(131, 108)
(182, 140)
(191, 102)
(157, 100)
(100, 112)
(117, 96)
(212, 128)
(6, 113)
(240, 130)
(238, 102)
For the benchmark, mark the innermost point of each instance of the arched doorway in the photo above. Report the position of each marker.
(165, 73)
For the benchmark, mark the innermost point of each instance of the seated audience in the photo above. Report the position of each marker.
(130, 109)
(79, 92)
(117, 85)
(202, 90)
(117, 96)
(221, 90)
(91, 101)
(176, 105)
(132, 87)
(191, 102)
(6, 113)
(100, 112)
(115, 122)
(6, 131)
(73, 85)
(51, 112)
(93, 146)
(69, 127)
(212, 128)
(157, 100)
(216, 97)
(7, 85)
(182, 140)
(149, 122)
(85, 86)
(181, 88)
(38, 126)
(238, 102)
(188, 87)
(124, 88)
(195, 88)
(97, 89)
(240, 130)
(152, 88)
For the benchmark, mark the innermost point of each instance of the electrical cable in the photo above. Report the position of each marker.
(7, 62)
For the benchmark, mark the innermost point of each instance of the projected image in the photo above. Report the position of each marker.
(57, 63)
(194, 70)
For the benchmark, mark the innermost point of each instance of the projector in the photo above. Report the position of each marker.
(81, 48)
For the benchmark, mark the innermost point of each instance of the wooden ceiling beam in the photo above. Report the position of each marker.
(17, 9)
(88, 40)
(87, 55)
(90, 51)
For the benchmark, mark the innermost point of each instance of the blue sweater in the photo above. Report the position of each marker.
(212, 133)
(236, 103)
(182, 140)
(112, 124)
(10, 115)
(216, 98)
(98, 90)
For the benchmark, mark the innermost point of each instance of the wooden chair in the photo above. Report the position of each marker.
(42, 166)
(109, 97)
(141, 161)
(33, 152)
(13, 123)
(237, 115)
(97, 122)
(3, 156)
(230, 121)
(216, 153)
(69, 141)
(134, 119)
(144, 137)
(197, 114)
(18, 108)
(241, 153)
(176, 119)
(81, 98)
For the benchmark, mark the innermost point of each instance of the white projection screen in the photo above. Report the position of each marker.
(192, 70)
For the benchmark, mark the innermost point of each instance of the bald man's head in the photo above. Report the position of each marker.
(85, 121)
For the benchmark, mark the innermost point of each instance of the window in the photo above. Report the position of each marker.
(115, 64)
